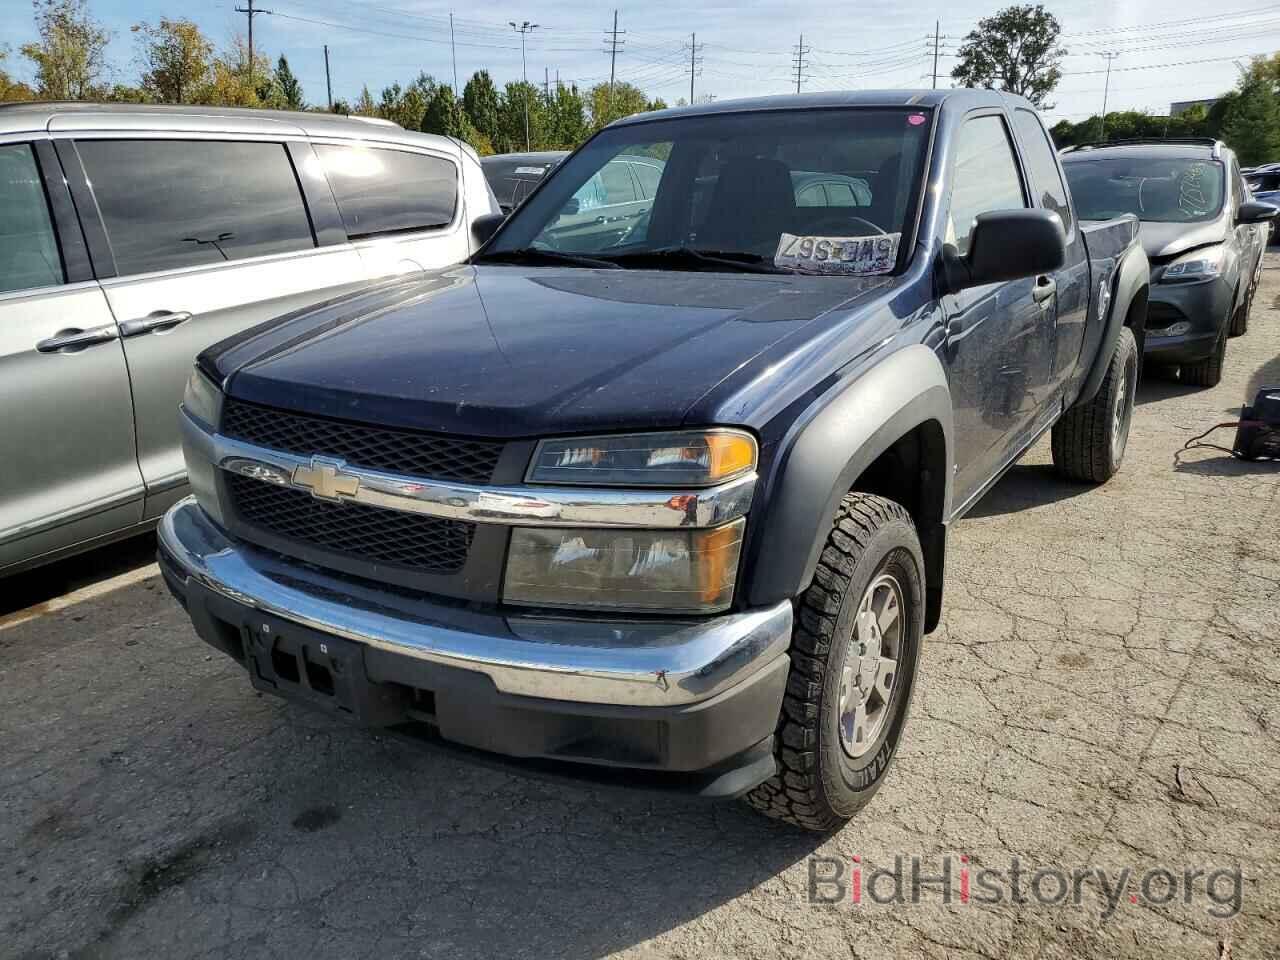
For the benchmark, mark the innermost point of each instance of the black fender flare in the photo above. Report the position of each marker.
(827, 450)
(1132, 276)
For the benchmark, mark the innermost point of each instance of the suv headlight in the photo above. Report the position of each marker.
(202, 399)
(1195, 266)
(686, 458)
(657, 571)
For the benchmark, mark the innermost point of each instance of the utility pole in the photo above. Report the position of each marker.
(614, 45)
(936, 41)
(453, 50)
(328, 84)
(546, 83)
(524, 29)
(1106, 90)
(252, 12)
(798, 61)
(694, 62)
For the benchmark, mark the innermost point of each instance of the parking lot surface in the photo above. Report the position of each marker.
(1102, 693)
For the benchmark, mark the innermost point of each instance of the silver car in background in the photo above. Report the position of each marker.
(132, 237)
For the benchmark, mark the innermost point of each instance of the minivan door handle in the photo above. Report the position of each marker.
(163, 320)
(1044, 289)
(73, 339)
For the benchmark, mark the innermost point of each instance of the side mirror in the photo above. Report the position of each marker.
(482, 228)
(571, 207)
(1007, 245)
(1255, 211)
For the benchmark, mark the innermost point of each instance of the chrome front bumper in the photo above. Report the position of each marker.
(583, 660)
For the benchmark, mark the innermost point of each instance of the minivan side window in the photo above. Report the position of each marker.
(1042, 166)
(168, 204)
(389, 191)
(29, 255)
(986, 177)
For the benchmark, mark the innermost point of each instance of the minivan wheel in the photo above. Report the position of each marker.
(1089, 440)
(854, 652)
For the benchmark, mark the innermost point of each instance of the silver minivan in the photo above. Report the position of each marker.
(131, 237)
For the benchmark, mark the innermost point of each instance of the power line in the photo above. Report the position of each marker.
(798, 61)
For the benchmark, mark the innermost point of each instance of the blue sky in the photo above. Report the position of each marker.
(1169, 49)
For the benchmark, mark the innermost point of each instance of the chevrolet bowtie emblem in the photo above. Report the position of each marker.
(325, 479)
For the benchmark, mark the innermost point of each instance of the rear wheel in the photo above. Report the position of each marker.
(1207, 372)
(854, 652)
(1088, 443)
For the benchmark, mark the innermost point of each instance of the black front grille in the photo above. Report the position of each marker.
(362, 445)
(371, 534)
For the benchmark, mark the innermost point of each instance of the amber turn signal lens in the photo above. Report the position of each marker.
(731, 454)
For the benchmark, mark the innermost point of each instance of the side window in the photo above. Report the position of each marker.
(986, 177)
(648, 174)
(28, 248)
(618, 185)
(182, 203)
(591, 194)
(840, 195)
(811, 196)
(389, 191)
(1042, 166)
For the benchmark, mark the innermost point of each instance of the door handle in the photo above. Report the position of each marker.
(73, 339)
(1045, 288)
(152, 322)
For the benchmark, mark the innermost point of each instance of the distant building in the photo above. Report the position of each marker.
(1182, 106)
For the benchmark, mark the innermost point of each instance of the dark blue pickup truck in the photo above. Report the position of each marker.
(664, 496)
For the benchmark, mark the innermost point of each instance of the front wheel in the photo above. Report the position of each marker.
(854, 652)
(1089, 440)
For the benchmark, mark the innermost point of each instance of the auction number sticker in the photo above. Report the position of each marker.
(848, 256)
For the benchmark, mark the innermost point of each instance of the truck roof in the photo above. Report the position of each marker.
(828, 99)
(36, 116)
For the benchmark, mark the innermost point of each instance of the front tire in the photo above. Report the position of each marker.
(1207, 372)
(1089, 440)
(1240, 319)
(854, 652)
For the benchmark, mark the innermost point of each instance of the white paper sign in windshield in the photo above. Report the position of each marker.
(842, 256)
(530, 171)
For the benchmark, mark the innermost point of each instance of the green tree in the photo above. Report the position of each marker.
(1017, 51)
(237, 82)
(364, 105)
(11, 89)
(480, 101)
(1252, 123)
(342, 107)
(609, 105)
(407, 105)
(444, 115)
(175, 59)
(288, 86)
(518, 96)
(70, 55)
(567, 118)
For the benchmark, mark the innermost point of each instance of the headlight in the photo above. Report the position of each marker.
(667, 571)
(688, 458)
(202, 399)
(1199, 265)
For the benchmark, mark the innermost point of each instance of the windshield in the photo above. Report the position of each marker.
(763, 187)
(512, 178)
(1159, 191)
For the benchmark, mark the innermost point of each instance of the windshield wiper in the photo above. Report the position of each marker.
(685, 256)
(541, 255)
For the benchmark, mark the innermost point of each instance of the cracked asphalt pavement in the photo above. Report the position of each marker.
(1102, 692)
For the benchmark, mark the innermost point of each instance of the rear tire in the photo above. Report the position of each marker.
(853, 665)
(1207, 372)
(1089, 441)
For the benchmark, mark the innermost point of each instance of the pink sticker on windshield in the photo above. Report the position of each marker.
(915, 119)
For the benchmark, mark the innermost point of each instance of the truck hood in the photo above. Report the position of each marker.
(509, 351)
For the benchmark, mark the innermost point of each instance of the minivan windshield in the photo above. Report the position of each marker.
(1156, 190)
(730, 191)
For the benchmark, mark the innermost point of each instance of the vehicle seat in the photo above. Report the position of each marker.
(752, 205)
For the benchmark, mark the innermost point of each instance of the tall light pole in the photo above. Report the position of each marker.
(524, 29)
(1106, 90)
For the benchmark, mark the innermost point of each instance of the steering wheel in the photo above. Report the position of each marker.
(843, 222)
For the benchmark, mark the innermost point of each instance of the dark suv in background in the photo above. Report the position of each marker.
(1203, 233)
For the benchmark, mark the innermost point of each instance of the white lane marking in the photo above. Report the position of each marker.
(90, 592)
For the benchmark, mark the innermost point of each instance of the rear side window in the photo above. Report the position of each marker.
(389, 191)
(618, 186)
(183, 203)
(28, 248)
(1041, 165)
(986, 178)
